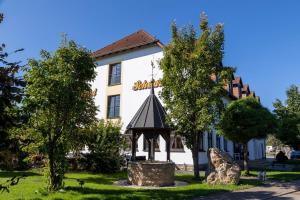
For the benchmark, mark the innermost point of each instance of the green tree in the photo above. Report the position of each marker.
(11, 94)
(193, 82)
(59, 95)
(288, 117)
(244, 120)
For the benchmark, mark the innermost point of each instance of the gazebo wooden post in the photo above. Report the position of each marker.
(149, 149)
(133, 150)
(152, 157)
(168, 145)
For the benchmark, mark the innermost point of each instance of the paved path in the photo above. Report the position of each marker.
(271, 191)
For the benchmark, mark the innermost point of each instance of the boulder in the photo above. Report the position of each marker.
(224, 169)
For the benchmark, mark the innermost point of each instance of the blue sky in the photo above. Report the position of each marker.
(262, 37)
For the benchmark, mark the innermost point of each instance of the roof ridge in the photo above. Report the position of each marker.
(131, 41)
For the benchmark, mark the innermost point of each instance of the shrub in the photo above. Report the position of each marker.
(105, 144)
(281, 157)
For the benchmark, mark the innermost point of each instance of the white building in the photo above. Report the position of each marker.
(123, 73)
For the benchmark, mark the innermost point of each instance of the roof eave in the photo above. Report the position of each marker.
(158, 43)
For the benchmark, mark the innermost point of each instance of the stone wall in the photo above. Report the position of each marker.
(146, 173)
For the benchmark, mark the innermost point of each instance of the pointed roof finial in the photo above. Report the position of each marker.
(152, 80)
(64, 39)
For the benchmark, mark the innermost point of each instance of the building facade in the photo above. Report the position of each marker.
(124, 72)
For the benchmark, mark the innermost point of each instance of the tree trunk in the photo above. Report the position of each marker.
(54, 178)
(51, 167)
(246, 160)
(195, 153)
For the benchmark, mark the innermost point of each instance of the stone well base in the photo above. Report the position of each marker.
(147, 173)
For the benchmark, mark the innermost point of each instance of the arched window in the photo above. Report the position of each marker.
(218, 142)
(209, 140)
(145, 144)
(201, 142)
(176, 143)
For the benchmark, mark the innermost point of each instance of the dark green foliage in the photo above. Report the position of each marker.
(244, 120)
(105, 143)
(61, 102)
(288, 117)
(281, 157)
(11, 94)
(193, 98)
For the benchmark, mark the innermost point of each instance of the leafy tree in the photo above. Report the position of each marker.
(11, 94)
(105, 143)
(193, 81)
(244, 120)
(11, 84)
(288, 117)
(59, 95)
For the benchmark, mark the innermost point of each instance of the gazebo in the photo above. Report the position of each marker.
(150, 121)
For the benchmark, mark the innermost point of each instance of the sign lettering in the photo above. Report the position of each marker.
(139, 85)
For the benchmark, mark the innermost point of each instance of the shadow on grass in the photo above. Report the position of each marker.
(284, 176)
(192, 190)
(9, 174)
(104, 179)
(139, 194)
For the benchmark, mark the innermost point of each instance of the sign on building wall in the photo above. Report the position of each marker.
(139, 85)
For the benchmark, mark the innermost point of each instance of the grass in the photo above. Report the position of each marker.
(279, 176)
(99, 186)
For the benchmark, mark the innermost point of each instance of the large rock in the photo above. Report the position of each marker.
(224, 170)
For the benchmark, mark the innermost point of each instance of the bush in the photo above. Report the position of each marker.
(281, 157)
(105, 144)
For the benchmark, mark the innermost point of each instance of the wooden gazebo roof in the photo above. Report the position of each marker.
(151, 115)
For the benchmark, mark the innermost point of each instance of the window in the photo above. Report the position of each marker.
(145, 144)
(176, 143)
(225, 144)
(218, 142)
(113, 106)
(201, 146)
(209, 140)
(114, 74)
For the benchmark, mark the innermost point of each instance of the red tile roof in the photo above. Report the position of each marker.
(236, 92)
(245, 87)
(252, 94)
(138, 39)
(236, 80)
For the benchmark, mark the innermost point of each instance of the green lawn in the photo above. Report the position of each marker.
(99, 186)
(280, 176)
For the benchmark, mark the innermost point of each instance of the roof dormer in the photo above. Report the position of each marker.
(237, 87)
(245, 90)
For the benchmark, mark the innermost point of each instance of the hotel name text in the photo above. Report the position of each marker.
(139, 85)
